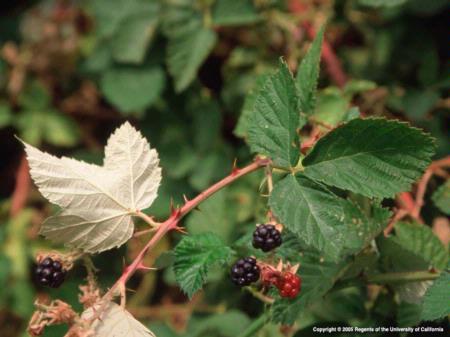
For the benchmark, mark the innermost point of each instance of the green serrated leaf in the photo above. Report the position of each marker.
(186, 52)
(292, 248)
(317, 278)
(308, 74)
(441, 197)
(132, 89)
(361, 226)
(194, 255)
(272, 126)
(311, 212)
(420, 240)
(414, 247)
(372, 157)
(321, 220)
(436, 302)
(231, 12)
(341, 306)
(396, 258)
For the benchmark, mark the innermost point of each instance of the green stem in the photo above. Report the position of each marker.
(412, 276)
(255, 326)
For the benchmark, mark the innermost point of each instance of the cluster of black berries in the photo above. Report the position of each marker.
(245, 271)
(266, 237)
(50, 273)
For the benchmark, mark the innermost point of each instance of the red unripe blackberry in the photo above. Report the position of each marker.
(266, 237)
(289, 285)
(50, 273)
(245, 271)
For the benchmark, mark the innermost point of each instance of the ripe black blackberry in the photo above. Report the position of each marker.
(50, 273)
(245, 271)
(266, 237)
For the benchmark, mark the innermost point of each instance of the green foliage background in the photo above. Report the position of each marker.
(186, 73)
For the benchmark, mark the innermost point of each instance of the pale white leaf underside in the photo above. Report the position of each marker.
(97, 201)
(117, 322)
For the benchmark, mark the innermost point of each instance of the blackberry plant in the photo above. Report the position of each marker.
(324, 180)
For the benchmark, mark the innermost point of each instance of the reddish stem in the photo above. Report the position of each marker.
(444, 162)
(411, 207)
(235, 174)
(434, 168)
(172, 222)
(309, 142)
(22, 188)
(406, 200)
(420, 194)
(398, 215)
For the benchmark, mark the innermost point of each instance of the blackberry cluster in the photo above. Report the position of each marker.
(50, 273)
(266, 237)
(245, 271)
(289, 285)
